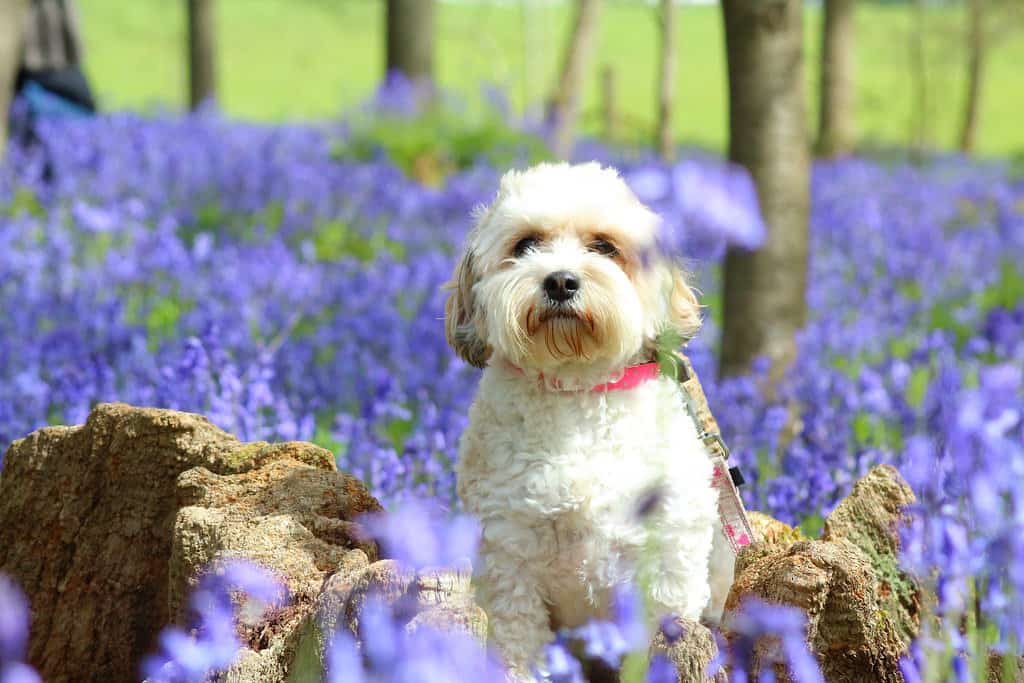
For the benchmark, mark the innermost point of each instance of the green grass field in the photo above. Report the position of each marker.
(312, 59)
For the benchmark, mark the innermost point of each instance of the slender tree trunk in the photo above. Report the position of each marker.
(410, 39)
(529, 50)
(764, 293)
(565, 100)
(666, 79)
(919, 136)
(12, 22)
(976, 52)
(835, 123)
(609, 103)
(202, 52)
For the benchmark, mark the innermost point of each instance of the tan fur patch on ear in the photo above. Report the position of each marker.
(460, 315)
(684, 309)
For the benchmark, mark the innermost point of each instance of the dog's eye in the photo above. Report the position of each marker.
(526, 244)
(603, 247)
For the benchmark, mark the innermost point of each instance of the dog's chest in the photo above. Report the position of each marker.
(561, 451)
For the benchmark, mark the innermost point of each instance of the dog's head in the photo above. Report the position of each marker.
(562, 272)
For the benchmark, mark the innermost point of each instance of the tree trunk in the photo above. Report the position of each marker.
(410, 39)
(202, 52)
(666, 79)
(976, 49)
(919, 136)
(764, 303)
(12, 22)
(609, 103)
(835, 123)
(565, 100)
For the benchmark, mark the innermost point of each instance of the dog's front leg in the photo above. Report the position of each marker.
(516, 611)
(679, 582)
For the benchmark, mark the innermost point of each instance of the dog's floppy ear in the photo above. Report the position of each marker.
(683, 308)
(461, 312)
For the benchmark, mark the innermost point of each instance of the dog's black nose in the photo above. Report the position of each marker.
(561, 286)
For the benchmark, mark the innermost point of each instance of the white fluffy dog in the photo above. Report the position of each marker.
(561, 296)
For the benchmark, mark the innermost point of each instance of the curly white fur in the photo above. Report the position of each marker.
(555, 472)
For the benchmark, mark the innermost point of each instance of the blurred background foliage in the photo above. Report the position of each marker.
(312, 59)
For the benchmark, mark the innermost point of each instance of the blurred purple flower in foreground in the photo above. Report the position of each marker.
(393, 653)
(212, 643)
(607, 640)
(721, 198)
(713, 199)
(14, 620)
(419, 534)
(782, 624)
(662, 670)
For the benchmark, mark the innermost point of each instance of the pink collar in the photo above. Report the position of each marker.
(632, 377)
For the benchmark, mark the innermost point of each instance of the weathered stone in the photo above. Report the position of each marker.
(773, 532)
(291, 518)
(834, 583)
(690, 653)
(870, 518)
(329, 613)
(442, 597)
(87, 520)
(257, 667)
(287, 516)
(862, 610)
(467, 618)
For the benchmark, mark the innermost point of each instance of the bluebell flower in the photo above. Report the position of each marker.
(391, 653)
(419, 534)
(14, 626)
(672, 629)
(13, 621)
(560, 665)
(344, 662)
(212, 643)
(721, 199)
(661, 670)
(756, 619)
(18, 672)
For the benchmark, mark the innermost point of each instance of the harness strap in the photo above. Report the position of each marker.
(731, 512)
